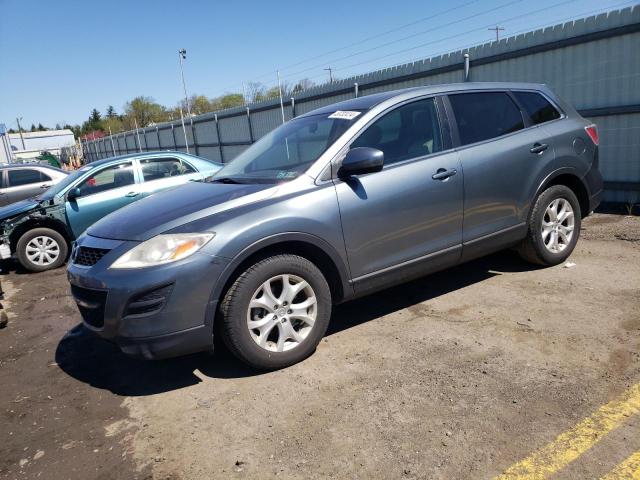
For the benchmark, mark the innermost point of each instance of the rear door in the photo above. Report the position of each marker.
(394, 219)
(24, 183)
(104, 191)
(502, 156)
(161, 173)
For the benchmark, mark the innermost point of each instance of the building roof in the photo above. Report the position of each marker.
(46, 133)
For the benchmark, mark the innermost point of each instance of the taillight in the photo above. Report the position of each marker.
(592, 131)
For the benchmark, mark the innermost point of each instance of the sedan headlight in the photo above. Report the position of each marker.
(163, 249)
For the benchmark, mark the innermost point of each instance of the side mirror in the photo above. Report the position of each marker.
(361, 160)
(74, 193)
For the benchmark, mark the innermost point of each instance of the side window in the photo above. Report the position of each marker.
(485, 115)
(23, 176)
(409, 131)
(45, 177)
(157, 168)
(108, 178)
(537, 107)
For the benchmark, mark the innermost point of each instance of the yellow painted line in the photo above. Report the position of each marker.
(574, 442)
(627, 470)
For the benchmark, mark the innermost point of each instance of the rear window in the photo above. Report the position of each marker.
(537, 107)
(486, 115)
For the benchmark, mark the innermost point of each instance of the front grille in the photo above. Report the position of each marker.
(91, 304)
(148, 302)
(88, 256)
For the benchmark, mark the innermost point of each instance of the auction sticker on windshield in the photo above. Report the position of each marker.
(344, 114)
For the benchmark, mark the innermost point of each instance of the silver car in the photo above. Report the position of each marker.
(18, 182)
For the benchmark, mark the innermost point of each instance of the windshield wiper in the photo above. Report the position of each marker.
(224, 180)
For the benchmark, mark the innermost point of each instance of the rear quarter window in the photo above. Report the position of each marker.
(538, 108)
(485, 115)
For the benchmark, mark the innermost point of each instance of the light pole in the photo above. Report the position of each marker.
(182, 55)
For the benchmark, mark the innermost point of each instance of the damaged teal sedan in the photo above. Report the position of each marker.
(39, 231)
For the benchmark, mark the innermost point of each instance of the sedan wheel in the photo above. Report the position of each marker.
(43, 250)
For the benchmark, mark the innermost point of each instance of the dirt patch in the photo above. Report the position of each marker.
(457, 375)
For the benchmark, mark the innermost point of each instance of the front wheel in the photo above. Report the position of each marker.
(276, 312)
(554, 227)
(41, 249)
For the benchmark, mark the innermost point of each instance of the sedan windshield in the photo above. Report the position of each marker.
(288, 151)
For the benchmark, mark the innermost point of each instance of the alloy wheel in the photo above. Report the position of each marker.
(282, 312)
(558, 225)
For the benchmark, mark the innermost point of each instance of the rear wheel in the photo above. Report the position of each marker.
(276, 312)
(554, 227)
(41, 249)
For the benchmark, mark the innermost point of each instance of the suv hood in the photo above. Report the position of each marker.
(17, 208)
(166, 210)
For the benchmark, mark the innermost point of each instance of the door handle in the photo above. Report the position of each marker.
(132, 194)
(443, 174)
(539, 147)
(44, 186)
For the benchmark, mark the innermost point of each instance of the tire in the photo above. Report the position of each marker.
(53, 257)
(249, 289)
(538, 246)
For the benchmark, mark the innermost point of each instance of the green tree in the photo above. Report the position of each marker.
(33, 127)
(145, 111)
(228, 100)
(111, 112)
(95, 116)
(42, 128)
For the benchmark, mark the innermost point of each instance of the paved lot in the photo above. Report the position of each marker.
(490, 367)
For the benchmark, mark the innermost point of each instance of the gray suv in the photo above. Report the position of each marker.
(335, 204)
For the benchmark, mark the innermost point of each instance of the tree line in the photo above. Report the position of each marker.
(144, 111)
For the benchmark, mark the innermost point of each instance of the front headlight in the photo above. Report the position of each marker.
(163, 249)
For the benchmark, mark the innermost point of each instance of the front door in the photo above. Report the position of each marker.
(105, 191)
(409, 214)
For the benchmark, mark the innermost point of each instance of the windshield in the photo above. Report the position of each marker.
(288, 151)
(64, 183)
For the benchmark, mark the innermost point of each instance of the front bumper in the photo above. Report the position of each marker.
(156, 312)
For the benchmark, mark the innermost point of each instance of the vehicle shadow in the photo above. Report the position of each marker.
(92, 360)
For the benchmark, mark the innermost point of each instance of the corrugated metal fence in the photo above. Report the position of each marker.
(594, 63)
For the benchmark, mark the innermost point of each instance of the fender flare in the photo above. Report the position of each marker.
(549, 178)
(315, 241)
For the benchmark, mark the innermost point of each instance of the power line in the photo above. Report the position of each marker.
(373, 37)
(386, 44)
(454, 36)
(478, 42)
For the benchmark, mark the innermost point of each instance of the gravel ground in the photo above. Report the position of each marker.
(457, 375)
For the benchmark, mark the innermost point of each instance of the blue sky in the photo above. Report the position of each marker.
(59, 59)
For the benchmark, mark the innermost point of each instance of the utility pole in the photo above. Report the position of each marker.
(330, 70)
(497, 29)
(20, 132)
